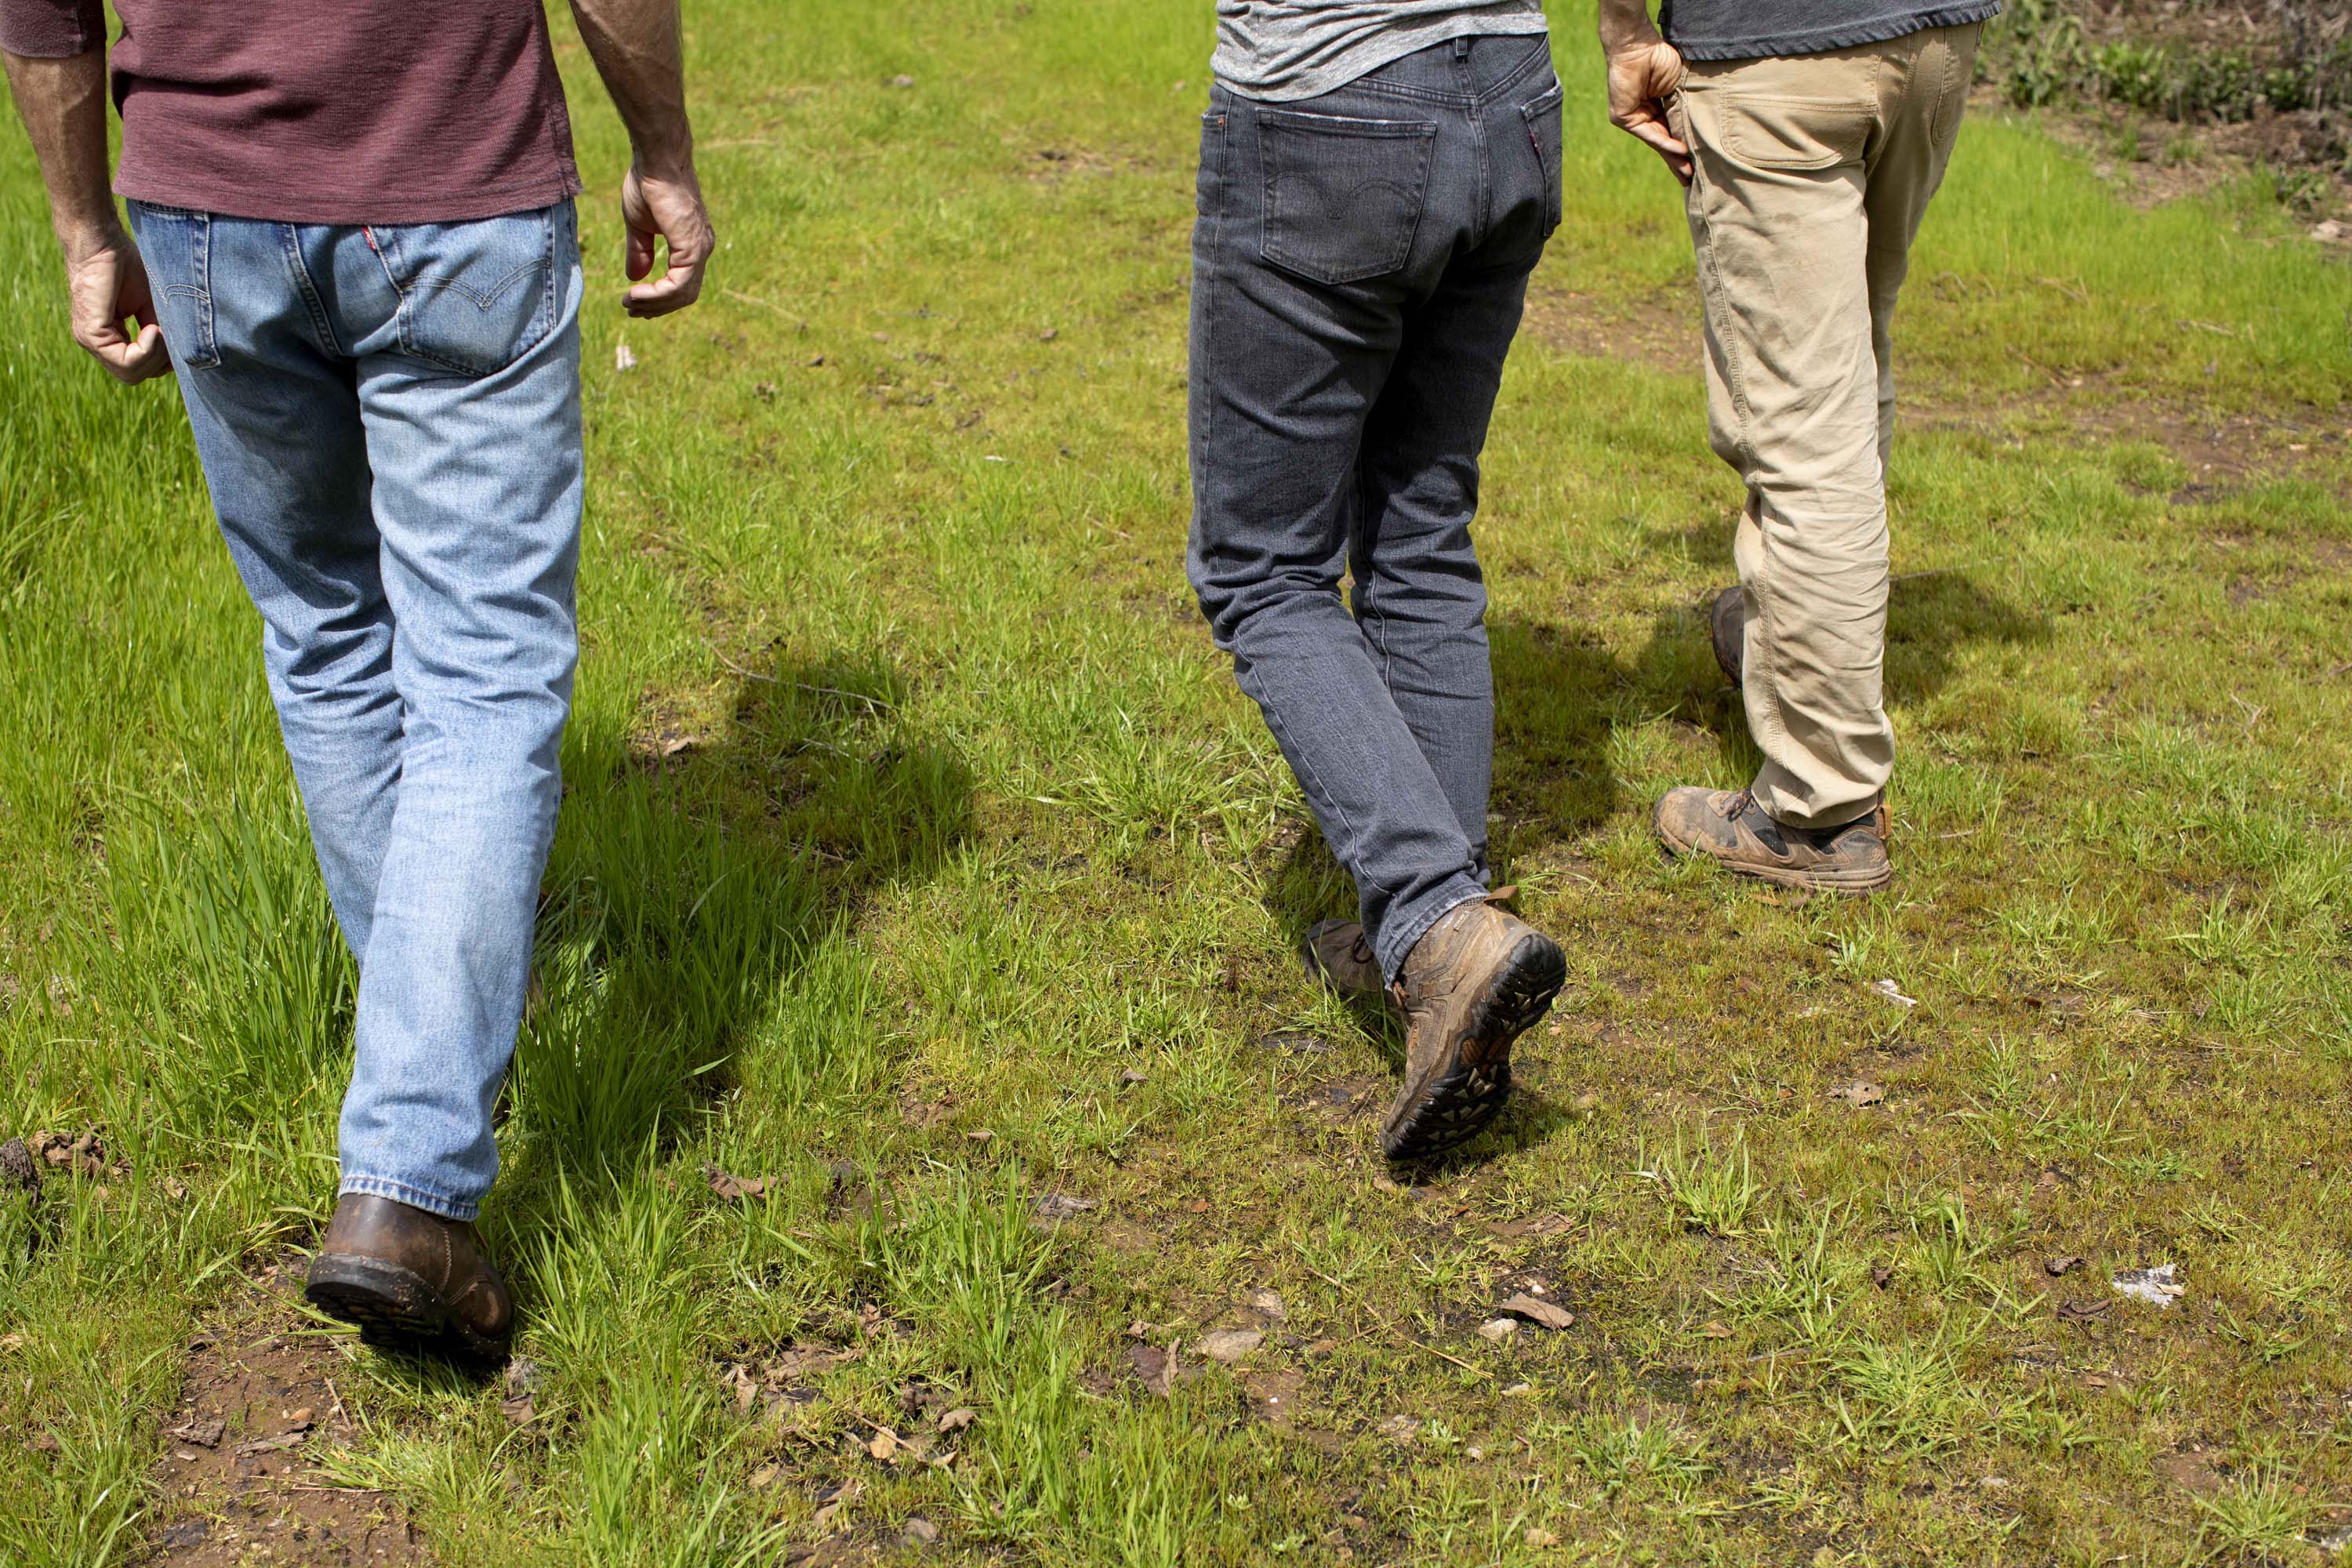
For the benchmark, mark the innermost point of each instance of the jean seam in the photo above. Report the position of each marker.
(291, 245)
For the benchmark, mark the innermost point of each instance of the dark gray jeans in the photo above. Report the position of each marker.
(1357, 272)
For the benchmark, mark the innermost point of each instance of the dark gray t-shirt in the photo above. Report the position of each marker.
(1758, 29)
(1283, 51)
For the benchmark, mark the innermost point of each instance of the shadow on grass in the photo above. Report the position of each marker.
(1562, 700)
(700, 884)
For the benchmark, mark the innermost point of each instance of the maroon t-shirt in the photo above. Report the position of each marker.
(349, 111)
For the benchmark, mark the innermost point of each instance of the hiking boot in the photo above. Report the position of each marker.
(1729, 827)
(411, 1278)
(1726, 628)
(1471, 985)
(1337, 954)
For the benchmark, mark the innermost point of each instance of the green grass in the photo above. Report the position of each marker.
(974, 827)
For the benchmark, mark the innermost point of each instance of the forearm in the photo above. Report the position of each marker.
(63, 104)
(1626, 24)
(641, 56)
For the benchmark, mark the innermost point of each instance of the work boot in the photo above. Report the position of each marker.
(1338, 953)
(1729, 827)
(1471, 985)
(1726, 628)
(410, 1278)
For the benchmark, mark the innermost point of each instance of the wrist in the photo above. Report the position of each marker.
(87, 234)
(1626, 26)
(671, 161)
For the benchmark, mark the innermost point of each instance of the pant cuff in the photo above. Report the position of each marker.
(1404, 928)
(462, 1209)
(1781, 809)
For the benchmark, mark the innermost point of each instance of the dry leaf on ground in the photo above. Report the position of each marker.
(1536, 1311)
(733, 1188)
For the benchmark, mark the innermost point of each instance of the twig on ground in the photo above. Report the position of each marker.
(1385, 1323)
(804, 684)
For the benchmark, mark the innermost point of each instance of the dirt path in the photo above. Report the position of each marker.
(2221, 451)
(237, 1479)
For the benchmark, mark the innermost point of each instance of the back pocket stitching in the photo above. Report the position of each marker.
(1270, 245)
(533, 333)
(1735, 104)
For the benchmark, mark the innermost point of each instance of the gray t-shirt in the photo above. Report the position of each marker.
(1285, 49)
(1759, 29)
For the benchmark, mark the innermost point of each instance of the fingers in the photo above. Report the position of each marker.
(638, 251)
(673, 291)
(129, 360)
(1663, 142)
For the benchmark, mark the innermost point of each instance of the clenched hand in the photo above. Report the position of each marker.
(669, 209)
(1641, 76)
(106, 285)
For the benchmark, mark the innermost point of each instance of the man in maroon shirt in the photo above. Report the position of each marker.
(356, 246)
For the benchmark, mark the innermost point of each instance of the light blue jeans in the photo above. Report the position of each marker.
(389, 421)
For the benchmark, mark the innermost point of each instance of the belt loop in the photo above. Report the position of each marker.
(1461, 48)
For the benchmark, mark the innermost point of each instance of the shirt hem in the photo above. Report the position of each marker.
(1824, 39)
(332, 208)
(1388, 51)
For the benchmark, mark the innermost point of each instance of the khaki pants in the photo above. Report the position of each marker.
(1812, 173)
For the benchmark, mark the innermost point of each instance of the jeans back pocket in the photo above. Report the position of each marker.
(474, 297)
(175, 247)
(1343, 195)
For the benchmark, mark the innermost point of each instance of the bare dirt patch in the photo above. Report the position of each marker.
(1660, 331)
(2221, 451)
(236, 1477)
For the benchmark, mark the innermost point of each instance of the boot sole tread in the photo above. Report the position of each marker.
(392, 1307)
(1456, 1105)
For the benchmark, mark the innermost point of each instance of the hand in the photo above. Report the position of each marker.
(654, 206)
(1641, 75)
(106, 284)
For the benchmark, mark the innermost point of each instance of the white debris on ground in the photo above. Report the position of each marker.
(1888, 989)
(2156, 1286)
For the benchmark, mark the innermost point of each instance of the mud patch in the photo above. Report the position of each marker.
(237, 1478)
(1661, 331)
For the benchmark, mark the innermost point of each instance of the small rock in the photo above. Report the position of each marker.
(1538, 1538)
(203, 1434)
(920, 1531)
(1499, 1329)
(1399, 1428)
(1860, 1093)
(1134, 1075)
(1230, 1345)
(2054, 1266)
(2327, 231)
(1269, 1305)
(18, 1169)
(902, 80)
(1055, 1208)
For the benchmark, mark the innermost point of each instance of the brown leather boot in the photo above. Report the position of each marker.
(407, 1277)
(1473, 984)
(1730, 829)
(1337, 954)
